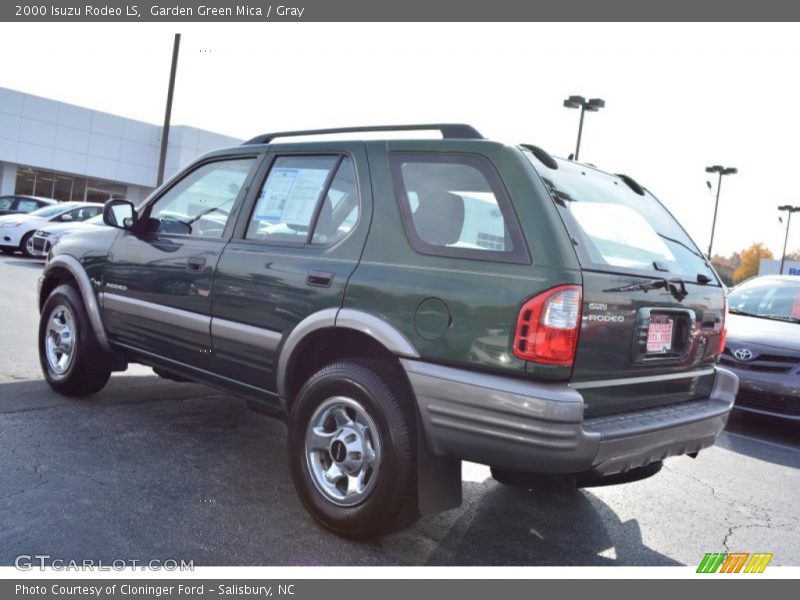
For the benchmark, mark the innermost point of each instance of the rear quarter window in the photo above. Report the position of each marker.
(455, 205)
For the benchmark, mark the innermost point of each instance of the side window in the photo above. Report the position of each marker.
(200, 204)
(65, 216)
(83, 213)
(455, 205)
(339, 212)
(26, 206)
(288, 206)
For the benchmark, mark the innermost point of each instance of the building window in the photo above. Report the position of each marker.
(65, 187)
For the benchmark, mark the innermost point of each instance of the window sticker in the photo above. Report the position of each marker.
(290, 195)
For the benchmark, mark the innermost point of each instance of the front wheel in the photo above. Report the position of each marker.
(352, 448)
(24, 245)
(68, 350)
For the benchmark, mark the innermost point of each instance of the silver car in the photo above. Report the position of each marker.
(763, 346)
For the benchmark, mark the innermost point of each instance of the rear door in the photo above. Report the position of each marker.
(293, 249)
(156, 295)
(652, 315)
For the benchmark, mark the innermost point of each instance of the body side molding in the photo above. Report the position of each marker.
(257, 337)
(71, 264)
(158, 312)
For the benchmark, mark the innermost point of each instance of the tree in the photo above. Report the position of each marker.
(725, 274)
(749, 261)
(793, 256)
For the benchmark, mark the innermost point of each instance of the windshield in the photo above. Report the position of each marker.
(767, 297)
(50, 211)
(617, 229)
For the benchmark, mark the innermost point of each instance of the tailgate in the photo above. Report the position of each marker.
(653, 308)
(643, 348)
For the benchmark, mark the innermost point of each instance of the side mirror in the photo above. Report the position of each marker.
(119, 214)
(66, 217)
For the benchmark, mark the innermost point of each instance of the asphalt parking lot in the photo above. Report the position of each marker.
(151, 469)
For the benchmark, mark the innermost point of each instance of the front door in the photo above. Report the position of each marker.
(156, 294)
(292, 252)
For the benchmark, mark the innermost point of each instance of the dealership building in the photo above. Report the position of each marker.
(66, 152)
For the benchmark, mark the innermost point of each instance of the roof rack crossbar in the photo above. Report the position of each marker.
(449, 131)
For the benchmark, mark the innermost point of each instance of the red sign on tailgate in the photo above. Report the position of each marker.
(659, 337)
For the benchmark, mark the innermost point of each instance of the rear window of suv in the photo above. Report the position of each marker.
(455, 205)
(616, 229)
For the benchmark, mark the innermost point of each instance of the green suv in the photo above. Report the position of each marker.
(403, 305)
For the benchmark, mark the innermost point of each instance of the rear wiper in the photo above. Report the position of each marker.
(676, 287)
(680, 243)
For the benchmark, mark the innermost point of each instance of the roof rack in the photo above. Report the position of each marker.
(449, 131)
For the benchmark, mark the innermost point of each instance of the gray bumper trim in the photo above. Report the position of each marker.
(533, 426)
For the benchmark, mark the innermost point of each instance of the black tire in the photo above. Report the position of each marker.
(84, 373)
(23, 244)
(381, 390)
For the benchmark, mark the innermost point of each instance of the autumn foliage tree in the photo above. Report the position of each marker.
(748, 267)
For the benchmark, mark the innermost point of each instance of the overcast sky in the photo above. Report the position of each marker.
(678, 97)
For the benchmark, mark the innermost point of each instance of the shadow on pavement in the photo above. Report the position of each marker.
(25, 262)
(24, 395)
(552, 525)
(763, 437)
(149, 469)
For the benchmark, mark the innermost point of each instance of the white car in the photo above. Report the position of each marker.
(45, 238)
(16, 230)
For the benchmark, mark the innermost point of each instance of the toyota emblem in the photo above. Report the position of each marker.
(743, 354)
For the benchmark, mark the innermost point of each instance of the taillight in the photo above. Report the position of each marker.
(548, 326)
(724, 335)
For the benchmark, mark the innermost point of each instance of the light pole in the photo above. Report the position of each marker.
(592, 105)
(722, 171)
(789, 209)
(162, 159)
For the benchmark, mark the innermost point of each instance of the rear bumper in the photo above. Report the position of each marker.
(539, 427)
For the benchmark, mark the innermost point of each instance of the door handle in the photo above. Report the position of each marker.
(320, 278)
(196, 263)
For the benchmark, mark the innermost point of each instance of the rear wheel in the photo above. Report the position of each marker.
(352, 448)
(68, 351)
